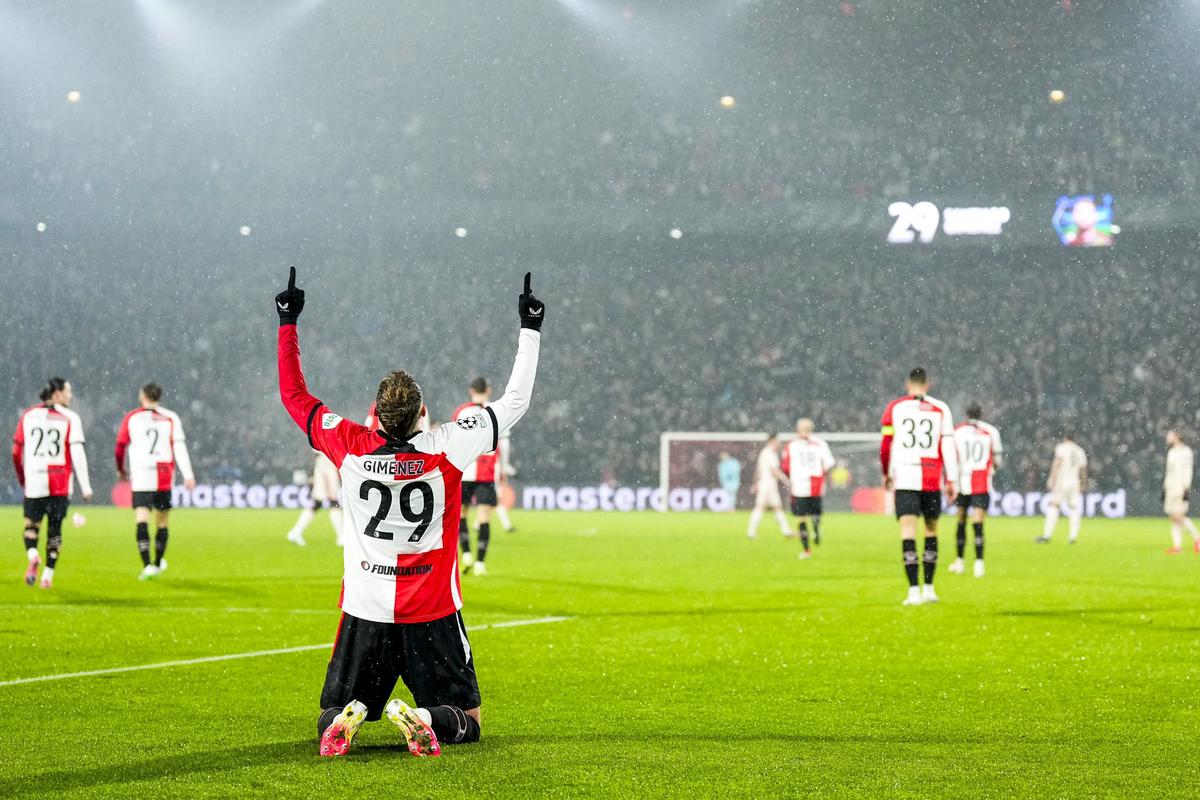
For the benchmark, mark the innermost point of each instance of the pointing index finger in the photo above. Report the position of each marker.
(528, 278)
(292, 279)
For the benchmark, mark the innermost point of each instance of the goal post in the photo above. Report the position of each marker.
(691, 460)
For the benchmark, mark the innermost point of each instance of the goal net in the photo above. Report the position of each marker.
(691, 460)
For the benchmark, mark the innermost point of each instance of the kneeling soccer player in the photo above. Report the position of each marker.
(401, 598)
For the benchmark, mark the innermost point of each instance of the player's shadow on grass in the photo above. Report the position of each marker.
(175, 765)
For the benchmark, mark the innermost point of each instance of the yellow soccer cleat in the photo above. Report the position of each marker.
(420, 737)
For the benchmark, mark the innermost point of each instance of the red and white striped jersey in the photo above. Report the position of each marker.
(484, 468)
(918, 444)
(978, 447)
(805, 462)
(153, 440)
(47, 446)
(402, 497)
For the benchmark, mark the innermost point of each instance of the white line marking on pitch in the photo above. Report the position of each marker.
(255, 654)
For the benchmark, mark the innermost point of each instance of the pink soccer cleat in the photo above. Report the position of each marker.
(336, 739)
(31, 573)
(422, 741)
(47, 582)
(1196, 546)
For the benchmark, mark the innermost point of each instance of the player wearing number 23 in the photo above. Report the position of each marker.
(402, 501)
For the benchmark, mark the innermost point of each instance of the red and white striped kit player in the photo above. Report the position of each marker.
(152, 437)
(483, 470)
(805, 462)
(402, 496)
(48, 452)
(978, 447)
(918, 444)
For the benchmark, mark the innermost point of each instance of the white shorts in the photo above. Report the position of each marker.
(1174, 503)
(327, 481)
(1067, 498)
(768, 496)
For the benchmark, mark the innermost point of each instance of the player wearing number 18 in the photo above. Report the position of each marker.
(916, 452)
(401, 597)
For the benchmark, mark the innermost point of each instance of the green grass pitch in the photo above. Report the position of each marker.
(695, 664)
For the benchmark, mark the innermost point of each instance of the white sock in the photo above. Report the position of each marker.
(1191, 526)
(47, 573)
(335, 519)
(782, 520)
(306, 516)
(1076, 519)
(1176, 536)
(32, 553)
(755, 517)
(1051, 520)
(424, 714)
(502, 515)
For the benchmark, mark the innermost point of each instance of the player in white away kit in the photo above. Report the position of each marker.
(1177, 490)
(47, 448)
(1068, 479)
(807, 461)
(917, 453)
(767, 476)
(401, 597)
(153, 439)
(979, 455)
(326, 488)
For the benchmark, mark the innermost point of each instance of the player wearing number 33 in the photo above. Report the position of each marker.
(916, 453)
(401, 598)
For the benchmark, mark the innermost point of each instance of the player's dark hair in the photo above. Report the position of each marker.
(53, 385)
(919, 375)
(153, 392)
(398, 404)
(974, 411)
(479, 385)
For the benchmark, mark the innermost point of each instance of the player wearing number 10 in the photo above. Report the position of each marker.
(401, 597)
(916, 452)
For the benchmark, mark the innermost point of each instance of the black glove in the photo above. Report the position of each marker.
(532, 310)
(290, 302)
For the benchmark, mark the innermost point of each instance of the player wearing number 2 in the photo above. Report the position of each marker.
(917, 451)
(152, 437)
(401, 597)
(47, 447)
(979, 455)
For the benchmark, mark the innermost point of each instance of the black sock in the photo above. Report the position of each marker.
(31, 538)
(464, 535)
(978, 528)
(143, 542)
(960, 537)
(804, 535)
(53, 542)
(326, 719)
(485, 536)
(816, 521)
(911, 567)
(160, 546)
(452, 725)
(930, 558)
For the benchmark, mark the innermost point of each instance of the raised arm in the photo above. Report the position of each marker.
(293, 391)
(513, 404)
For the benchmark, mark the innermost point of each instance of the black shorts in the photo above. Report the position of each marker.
(974, 501)
(160, 501)
(482, 492)
(806, 506)
(432, 658)
(920, 504)
(54, 508)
